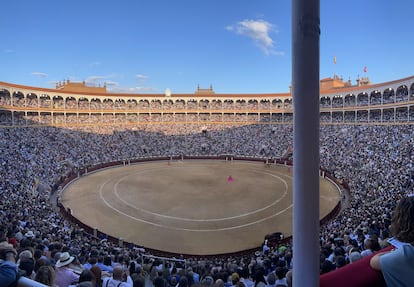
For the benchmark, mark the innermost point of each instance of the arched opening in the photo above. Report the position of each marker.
(325, 102)
(179, 105)
(216, 105)
(388, 96)
(204, 104)
(375, 98)
(107, 104)
(155, 104)
(362, 99)
(337, 101)
(120, 104)
(143, 104)
(167, 104)
(192, 104)
(350, 100)
(228, 104)
(45, 101)
(240, 104)
(277, 104)
(18, 99)
(265, 104)
(70, 103)
(253, 105)
(58, 102)
(83, 103)
(96, 104)
(4, 97)
(132, 104)
(287, 104)
(401, 94)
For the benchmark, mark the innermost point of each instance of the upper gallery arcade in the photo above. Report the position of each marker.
(339, 101)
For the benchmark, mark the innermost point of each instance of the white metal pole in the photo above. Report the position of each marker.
(305, 76)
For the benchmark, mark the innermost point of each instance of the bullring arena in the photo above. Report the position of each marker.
(191, 206)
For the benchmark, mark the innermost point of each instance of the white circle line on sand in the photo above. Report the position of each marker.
(184, 229)
(204, 220)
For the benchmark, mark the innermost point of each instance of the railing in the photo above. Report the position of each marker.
(26, 282)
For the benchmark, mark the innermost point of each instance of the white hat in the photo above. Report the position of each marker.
(64, 259)
(29, 234)
(25, 254)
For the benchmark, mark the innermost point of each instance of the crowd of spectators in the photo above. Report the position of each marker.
(376, 116)
(375, 161)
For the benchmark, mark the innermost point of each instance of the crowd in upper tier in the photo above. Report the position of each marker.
(375, 161)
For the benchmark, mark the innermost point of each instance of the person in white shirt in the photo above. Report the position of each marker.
(397, 265)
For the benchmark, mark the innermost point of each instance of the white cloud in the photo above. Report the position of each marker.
(111, 83)
(94, 64)
(141, 77)
(94, 80)
(259, 31)
(39, 74)
(132, 90)
(114, 86)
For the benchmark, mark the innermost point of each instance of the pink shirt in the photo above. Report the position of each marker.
(65, 277)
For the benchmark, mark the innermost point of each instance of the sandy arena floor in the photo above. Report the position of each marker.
(190, 207)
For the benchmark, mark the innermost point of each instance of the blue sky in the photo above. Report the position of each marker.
(238, 46)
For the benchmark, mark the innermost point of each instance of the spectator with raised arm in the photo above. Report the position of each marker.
(120, 278)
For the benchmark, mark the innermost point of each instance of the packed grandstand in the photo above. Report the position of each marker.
(48, 135)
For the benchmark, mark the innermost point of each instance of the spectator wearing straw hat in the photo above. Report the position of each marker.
(65, 276)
